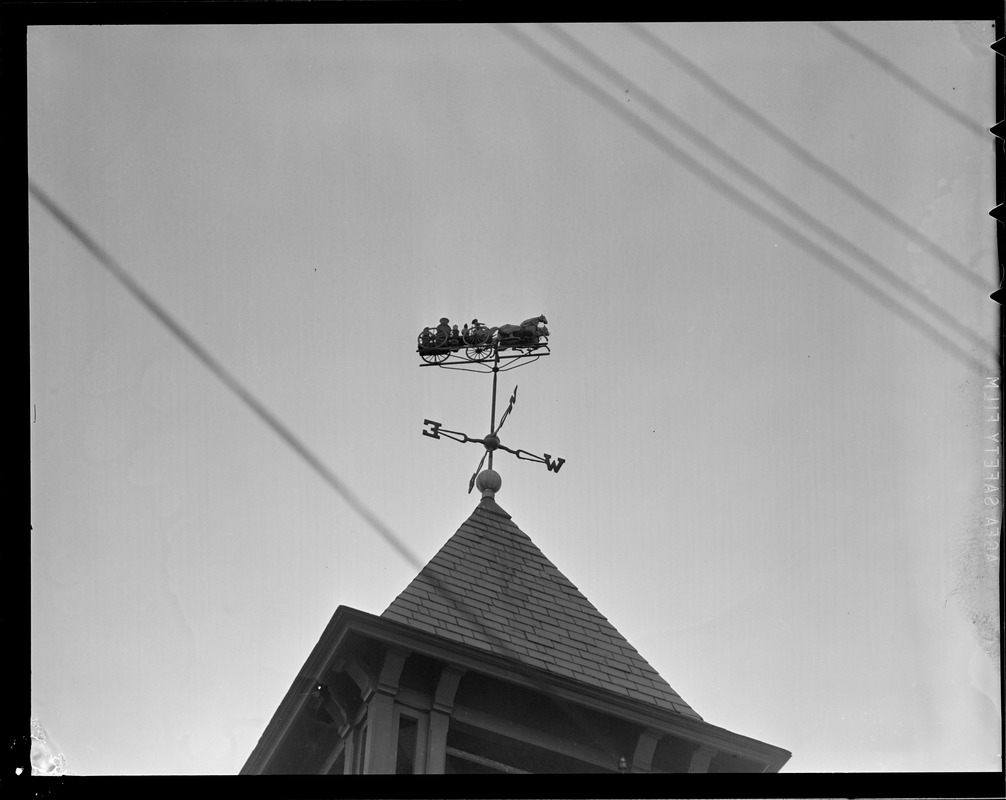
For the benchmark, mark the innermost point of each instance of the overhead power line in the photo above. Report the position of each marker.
(725, 188)
(899, 74)
(803, 154)
(137, 291)
(794, 208)
(221, 372)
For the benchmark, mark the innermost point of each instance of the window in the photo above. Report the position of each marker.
(408, 738)
(361, 758)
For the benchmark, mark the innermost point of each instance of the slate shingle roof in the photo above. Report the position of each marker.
(490, 587)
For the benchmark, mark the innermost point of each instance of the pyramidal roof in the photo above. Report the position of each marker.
(491, 588)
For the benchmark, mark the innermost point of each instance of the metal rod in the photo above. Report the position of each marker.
(492, 416)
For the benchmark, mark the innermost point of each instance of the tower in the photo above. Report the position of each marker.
(490, 661)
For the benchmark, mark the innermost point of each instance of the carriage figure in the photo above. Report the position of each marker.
(437, 343)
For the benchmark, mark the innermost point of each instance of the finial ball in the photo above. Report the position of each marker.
(488, 482)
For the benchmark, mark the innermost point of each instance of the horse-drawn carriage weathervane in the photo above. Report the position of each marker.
(478, 348)
(444, 345)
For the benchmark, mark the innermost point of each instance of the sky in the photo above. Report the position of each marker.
(773, 399)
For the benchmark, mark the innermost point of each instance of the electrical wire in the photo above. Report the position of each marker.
(287, 436)
(764, 186)
(224, 375)
(725, 188)
(899, 74)
(803, 154)
(314, 462)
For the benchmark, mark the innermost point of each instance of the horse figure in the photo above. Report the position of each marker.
(527, 333)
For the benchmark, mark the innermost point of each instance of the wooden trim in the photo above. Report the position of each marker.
(646, 746)
(701, 758)
(535, 737)
(414, 699)
(668, 722)
(436, 751)
(443, 705)
(361, 677)
(350, 747)
(331, 704)
(391, 670)
(447, 687)
(487, 762)
(329, 762)
(381, 731)
(347, 622)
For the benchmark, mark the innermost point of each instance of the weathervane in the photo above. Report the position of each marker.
(442, 346)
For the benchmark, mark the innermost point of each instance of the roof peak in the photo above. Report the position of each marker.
(491, 588)
(493, 507)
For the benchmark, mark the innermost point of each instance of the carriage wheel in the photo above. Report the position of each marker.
(479, 352)
(430, 346)
(434, 356)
